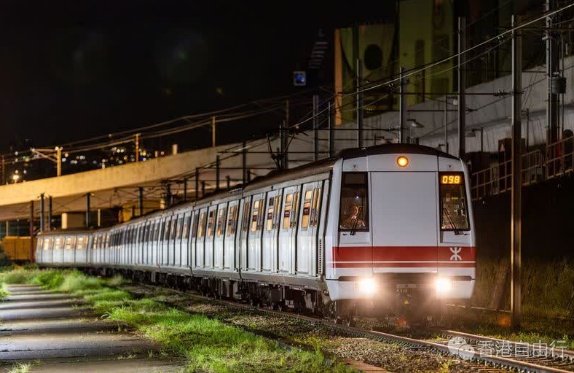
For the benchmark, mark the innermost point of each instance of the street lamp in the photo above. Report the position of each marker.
(414, 124)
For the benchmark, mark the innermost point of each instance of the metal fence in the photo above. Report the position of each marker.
(555, 160)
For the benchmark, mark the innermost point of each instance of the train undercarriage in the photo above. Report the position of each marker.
(404, 308)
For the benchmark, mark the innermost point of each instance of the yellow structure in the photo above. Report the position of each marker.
(19, 248)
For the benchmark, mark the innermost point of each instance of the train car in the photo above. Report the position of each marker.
(374, 230)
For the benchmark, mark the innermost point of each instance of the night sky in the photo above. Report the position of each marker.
(76, 69)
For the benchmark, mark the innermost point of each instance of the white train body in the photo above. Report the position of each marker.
(282, 239)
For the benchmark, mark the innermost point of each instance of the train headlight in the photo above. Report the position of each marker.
(367, 286)
(443, 286)
(402, 161)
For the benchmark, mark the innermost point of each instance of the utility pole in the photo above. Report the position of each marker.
(358, 87)
(461, 87)
(516, 223)
(402, 106)
(551, 71)
(137, 147)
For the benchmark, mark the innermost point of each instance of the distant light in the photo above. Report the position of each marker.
(299, 78)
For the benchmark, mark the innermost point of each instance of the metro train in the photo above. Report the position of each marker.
(380, 230)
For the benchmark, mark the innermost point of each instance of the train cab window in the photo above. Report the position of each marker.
(211, 223)
(287, 211)
(256, 219)
(202, 222)
(454, 216)
(306, 209)
(353, 209)
(232, 220)
(221, 214)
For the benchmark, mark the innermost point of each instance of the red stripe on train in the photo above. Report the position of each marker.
(404, 256)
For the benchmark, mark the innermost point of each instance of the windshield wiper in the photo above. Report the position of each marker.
(451, 222)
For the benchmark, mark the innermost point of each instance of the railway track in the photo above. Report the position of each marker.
(460, 351)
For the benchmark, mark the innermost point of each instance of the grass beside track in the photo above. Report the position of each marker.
(206, 344)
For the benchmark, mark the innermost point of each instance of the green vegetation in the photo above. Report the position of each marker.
(207, 345)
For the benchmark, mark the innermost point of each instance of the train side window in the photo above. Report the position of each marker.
(70, 242)
(185, 232)
(277, 212)
(315, 207)
(81, 244)
(202, 221)
(306, 209)
(245, 217)
(454, 215)
(58, 243)
(270, 213)
(232, 220)
(295, 210)
(287, 211)
(195, 225)
(167, 229)
(354, 213)
(221, 214)
(47, 244)
(256, 219)
(211, 223)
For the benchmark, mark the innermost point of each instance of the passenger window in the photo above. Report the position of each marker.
(354, 213)
(70, 241)
(270, 210)
(245, 218)
(295, 210)
(287, 211)
(221, 221)
(211, 223)
(202, 221)
(81, 243)
(315, 207)
(277, 212)
(186, 222)
(195, 225)
(47, 244)
(256, 215)
(306, 209)
(232, 220)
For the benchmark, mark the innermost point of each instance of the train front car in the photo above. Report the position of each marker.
(401, 232)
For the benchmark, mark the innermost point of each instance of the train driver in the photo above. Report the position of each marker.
(353, 221)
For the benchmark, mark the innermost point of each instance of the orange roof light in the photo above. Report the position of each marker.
(402, 161)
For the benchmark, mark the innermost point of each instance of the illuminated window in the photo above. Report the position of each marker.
(202, 221)
(211, 223)
(256, 217)
(306, 209)
(221, 221)
(70, 241)
(270, 209)
(232, 220)
(354, 212)
(245, 218)
(287, 211)
(315, 206)
(277, 212)
(295, 210)
(195, 226)
(81, 244)
(454, 216)
(186, 222)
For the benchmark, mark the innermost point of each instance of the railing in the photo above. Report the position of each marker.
(498, 178)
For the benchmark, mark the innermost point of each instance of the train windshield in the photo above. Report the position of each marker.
(353, 213)
(454, 216)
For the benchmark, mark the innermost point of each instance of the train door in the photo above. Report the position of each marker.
(219, 236)
(255, 232)
(306, 260)
(244, 234)
(288, 230)
(404, 212)
(229, 262)
(271, 226)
